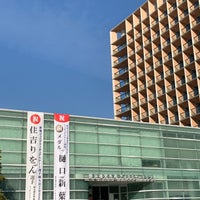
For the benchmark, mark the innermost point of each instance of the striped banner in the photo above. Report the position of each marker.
(61, 157)
(34, 159)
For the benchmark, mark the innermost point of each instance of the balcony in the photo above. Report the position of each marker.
(146, 29)
(153, 111)
(173, 7)
(124, 109)
(170, 87)
(141, 87)
(130, 40)
(195, 111)
(174, 119)
(138, 35)
(172, 103)
(194, 6)
(191, 77)
(149, 68)
(119, 48)
(122, 96)
(140, 60)
(189, 60)
(132, 65)
(196, 38)
(185, 29)
(158, 63)
(180, 2)
(143, 101)
(193, 93)
(186, 45)
(135, 104)
(157, 49)
(150, 82)
(121, 84)
(167, 58)
(195, 22)
(119, 60)
(156, 35)
(144, 115)
(141, 73)
(184, 115)
(160, 77)
(183, 98)
(120, 72)
(179, 83)
(152, 96)
(169, 72)
(183, 15)
(175, 37)
(161, 92)
(146, 42)
(162, 107)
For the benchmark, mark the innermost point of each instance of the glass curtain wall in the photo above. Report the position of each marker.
(169, 154)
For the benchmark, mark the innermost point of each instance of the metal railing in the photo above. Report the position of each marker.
(120, 72)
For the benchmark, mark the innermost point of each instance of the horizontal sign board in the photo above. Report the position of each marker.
(118, 177)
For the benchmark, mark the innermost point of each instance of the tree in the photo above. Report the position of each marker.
(2, 178)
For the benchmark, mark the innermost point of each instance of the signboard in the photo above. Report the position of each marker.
(118, 178)
(34, 159)
(61, 157)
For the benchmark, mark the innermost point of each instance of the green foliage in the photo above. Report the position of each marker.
(2, 197)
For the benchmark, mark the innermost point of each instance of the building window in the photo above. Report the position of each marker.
(174, 100)
(176, 116)
(151, 163)
(196, 4)
(191, 58)
(166, 119)
(168, 40)
(179, 49)
(165, 13)
(186, 112)
(181, 64)
(155, 6)
(183, 79)
(189, 42)
(172, 85)
(195, 90)
(177, 34)
(156, 19)
(174, 6)
(187, 27)
(163, 90)
(185, 96)
(198, 19)
(175, 20)
(198, 108)
(162, 75)
(193, 74)
(185, 12)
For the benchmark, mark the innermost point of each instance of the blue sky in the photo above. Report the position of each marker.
(55, 54)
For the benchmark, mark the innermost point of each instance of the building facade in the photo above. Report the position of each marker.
(109, 159)
(155, 55)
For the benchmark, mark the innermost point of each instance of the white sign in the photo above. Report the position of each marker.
(118, 178)
(61, 157)
(34, 159)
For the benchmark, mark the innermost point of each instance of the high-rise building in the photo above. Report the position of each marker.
(155, 55)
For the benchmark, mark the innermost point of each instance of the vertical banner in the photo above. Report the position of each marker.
(34, 159)
(61, 157)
